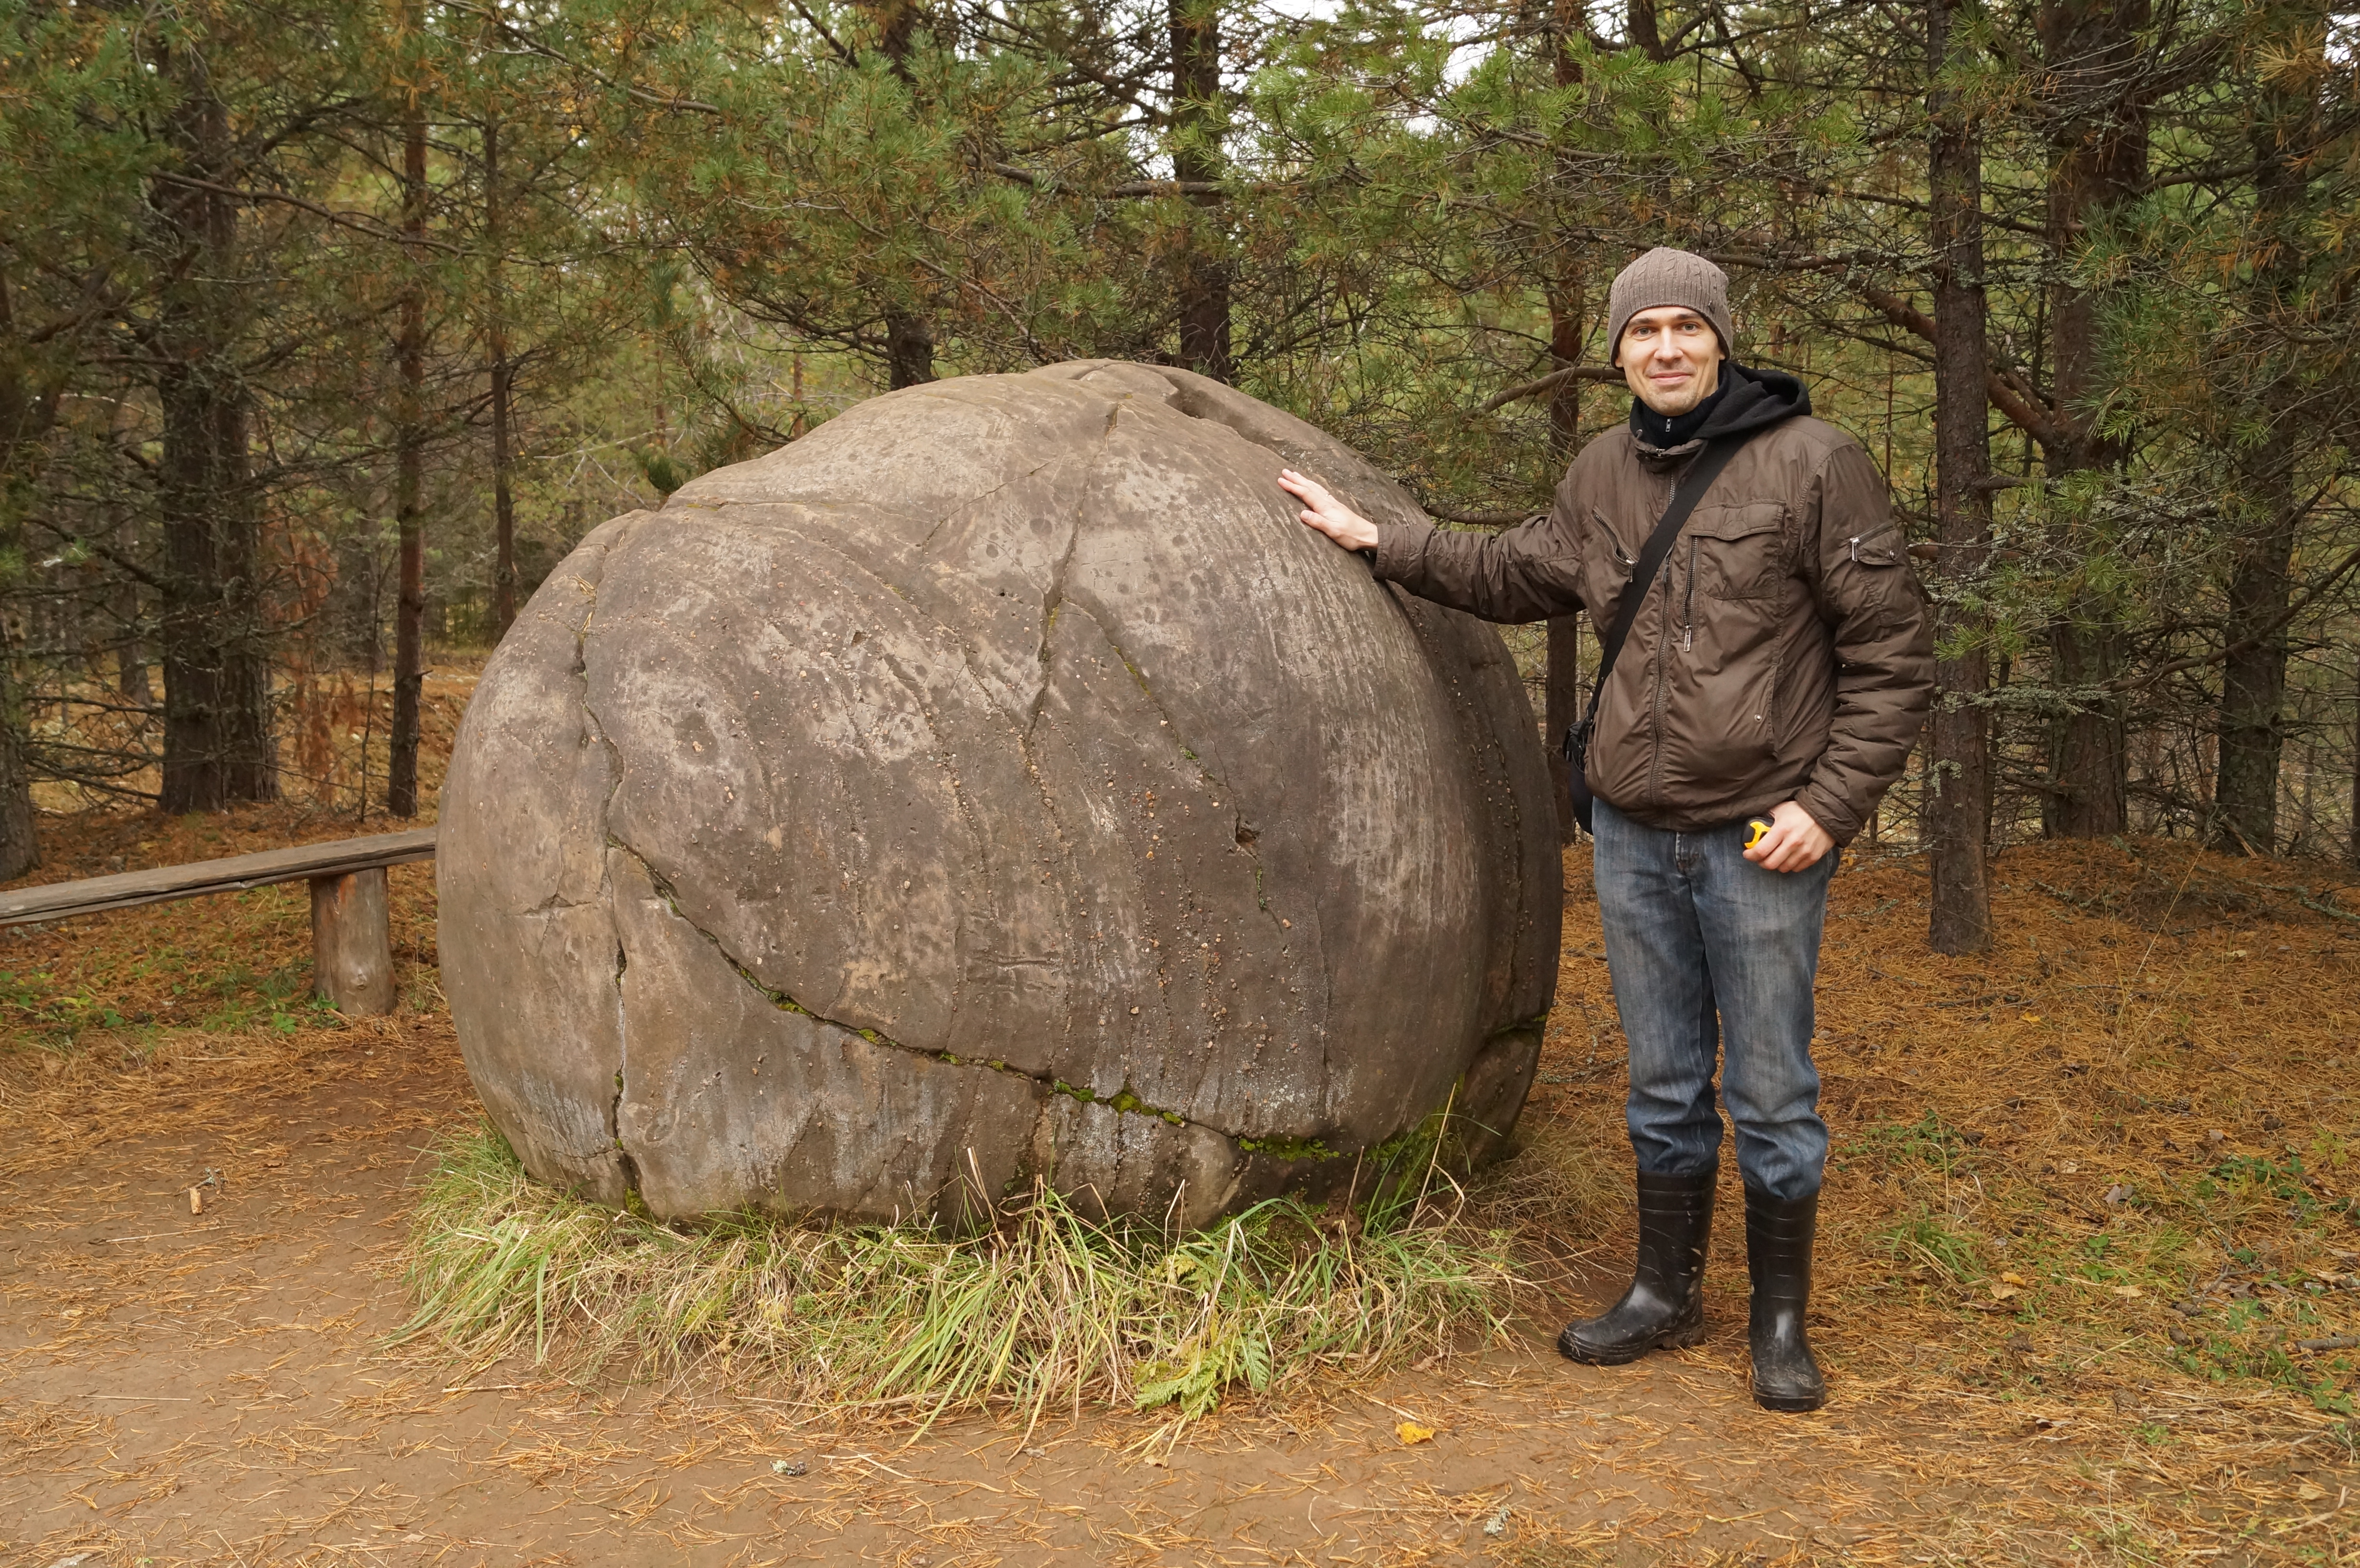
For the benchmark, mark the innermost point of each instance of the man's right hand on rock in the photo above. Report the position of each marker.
(1324, 512)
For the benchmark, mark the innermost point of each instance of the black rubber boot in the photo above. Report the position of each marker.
(1779, 1235)
(1664, 1304)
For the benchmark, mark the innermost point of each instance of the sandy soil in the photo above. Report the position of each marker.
(224, 1387)
(218, 1387)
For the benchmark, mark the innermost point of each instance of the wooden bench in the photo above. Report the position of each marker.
(352, 943)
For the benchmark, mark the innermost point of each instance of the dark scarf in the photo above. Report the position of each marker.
(1663, 431)
(1746, 399)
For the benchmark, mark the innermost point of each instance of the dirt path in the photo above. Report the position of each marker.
(2027, 1367)
(218, 1389)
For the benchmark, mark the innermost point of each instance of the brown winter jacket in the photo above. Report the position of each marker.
(1784, 650)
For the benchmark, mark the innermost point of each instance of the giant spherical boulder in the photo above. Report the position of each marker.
(997, 784)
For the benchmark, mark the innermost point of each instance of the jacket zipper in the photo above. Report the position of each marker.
(1688, 603)
(1663, 649)
(1662, 652)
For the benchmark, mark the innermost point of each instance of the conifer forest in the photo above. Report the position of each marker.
(326, 330)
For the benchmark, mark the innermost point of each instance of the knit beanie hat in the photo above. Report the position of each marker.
(1668, 276)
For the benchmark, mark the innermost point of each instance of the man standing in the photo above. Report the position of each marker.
(1776, 665)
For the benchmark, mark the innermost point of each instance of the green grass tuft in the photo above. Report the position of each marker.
(1050, 1309)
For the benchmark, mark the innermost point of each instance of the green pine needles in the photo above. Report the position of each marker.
(1051, 1309)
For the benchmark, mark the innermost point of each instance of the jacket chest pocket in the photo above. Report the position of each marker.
(1741, 551)
(1607, 570)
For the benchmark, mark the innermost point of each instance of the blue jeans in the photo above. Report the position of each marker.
(1708, 950)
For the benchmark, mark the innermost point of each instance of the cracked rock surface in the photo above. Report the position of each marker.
(998, 782)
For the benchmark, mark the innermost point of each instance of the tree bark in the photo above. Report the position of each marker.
(409, 482)
(908, 339)
(909, 349)
(1645, 33)
(1958, 811)
(1568, 304)
(20, 843)
(130, 655)
(28, 408)
(2098, 148)
(1197, 126)
(2353, 851)
(2089, 748)
(503, 572)
(2251, 733)
(211, 628)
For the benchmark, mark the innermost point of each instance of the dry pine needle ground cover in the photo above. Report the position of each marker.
(2090, 1287)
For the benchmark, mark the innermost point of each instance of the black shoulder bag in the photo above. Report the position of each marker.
(1685, 497)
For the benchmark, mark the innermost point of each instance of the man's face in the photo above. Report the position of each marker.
(1671, 358)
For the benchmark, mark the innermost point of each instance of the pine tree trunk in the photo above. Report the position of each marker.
(2353, 851)
(1567, 306)
(130, 656)
(2098, 143)
(2088, 748)
(26, 412)
(908, 339)
(909, 351)
(408, 484)
(1645, 33)
(1958, 811)
(2251, 733)
(504, 572)
(1562, 700)
(1197, 125)
(20, 843)
(211, 630)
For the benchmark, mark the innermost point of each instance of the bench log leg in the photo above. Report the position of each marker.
(352, 943)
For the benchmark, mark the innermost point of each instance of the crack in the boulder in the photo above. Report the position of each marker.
(1124, 1102)
(1245, 837)
(976, 500)
(1054, 599)
(581, 673)
(553, 903)
(1140, 679)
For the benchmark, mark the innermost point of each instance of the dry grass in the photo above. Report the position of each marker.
(1048, 1312)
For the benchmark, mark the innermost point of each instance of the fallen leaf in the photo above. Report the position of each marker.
(2002, 1292)
(2032, 1017)
(2010, 1277)
(2129, 1291)
(1410, 1432)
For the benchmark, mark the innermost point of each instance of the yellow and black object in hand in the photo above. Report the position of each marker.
(1756, 829)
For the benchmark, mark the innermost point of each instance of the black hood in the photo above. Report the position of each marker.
(1746, 399)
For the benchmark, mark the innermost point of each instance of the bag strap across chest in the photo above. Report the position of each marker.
(1690, 489)
(1685, 497)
